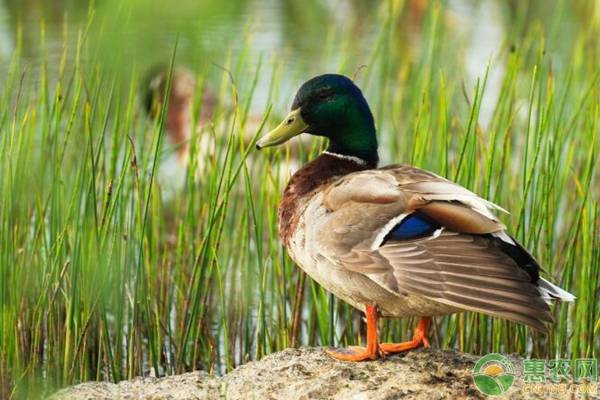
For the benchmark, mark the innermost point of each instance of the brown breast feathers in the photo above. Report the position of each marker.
(305, 182)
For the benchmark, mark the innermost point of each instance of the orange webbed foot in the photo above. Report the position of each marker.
(391, 348)
(419, 340)
(375, 349)
(353, 353)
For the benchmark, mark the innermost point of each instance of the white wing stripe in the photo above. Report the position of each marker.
(385, 230)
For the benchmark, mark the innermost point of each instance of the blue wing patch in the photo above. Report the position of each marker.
(413, 226)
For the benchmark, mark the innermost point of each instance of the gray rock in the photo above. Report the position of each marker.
(308, 373)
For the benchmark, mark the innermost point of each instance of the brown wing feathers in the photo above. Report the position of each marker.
(458, 218)
(468, 272)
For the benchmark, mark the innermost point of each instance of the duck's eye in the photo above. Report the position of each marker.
(325, 95)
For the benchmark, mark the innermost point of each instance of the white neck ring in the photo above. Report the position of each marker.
(356, 160)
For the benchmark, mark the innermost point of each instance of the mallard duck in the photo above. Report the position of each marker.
(179, 130)
(396, 241)
(178, 118)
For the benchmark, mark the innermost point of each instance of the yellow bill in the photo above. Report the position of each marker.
(292, 125)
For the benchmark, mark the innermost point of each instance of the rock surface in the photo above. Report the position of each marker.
(308, 373)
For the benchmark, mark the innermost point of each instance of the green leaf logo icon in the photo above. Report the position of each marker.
(493, 374)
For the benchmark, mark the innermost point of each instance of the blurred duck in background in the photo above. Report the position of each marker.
(178, 123)
(181, 134)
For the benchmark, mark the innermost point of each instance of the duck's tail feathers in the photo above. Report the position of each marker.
(550, 292)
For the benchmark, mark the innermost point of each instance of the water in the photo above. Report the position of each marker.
(137, 34)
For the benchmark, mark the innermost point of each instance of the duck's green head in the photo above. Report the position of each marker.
(332, 106)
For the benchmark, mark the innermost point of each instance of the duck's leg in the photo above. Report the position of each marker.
(356, 353)
(419, 339)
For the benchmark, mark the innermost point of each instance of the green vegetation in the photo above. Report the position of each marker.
(102, 278)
